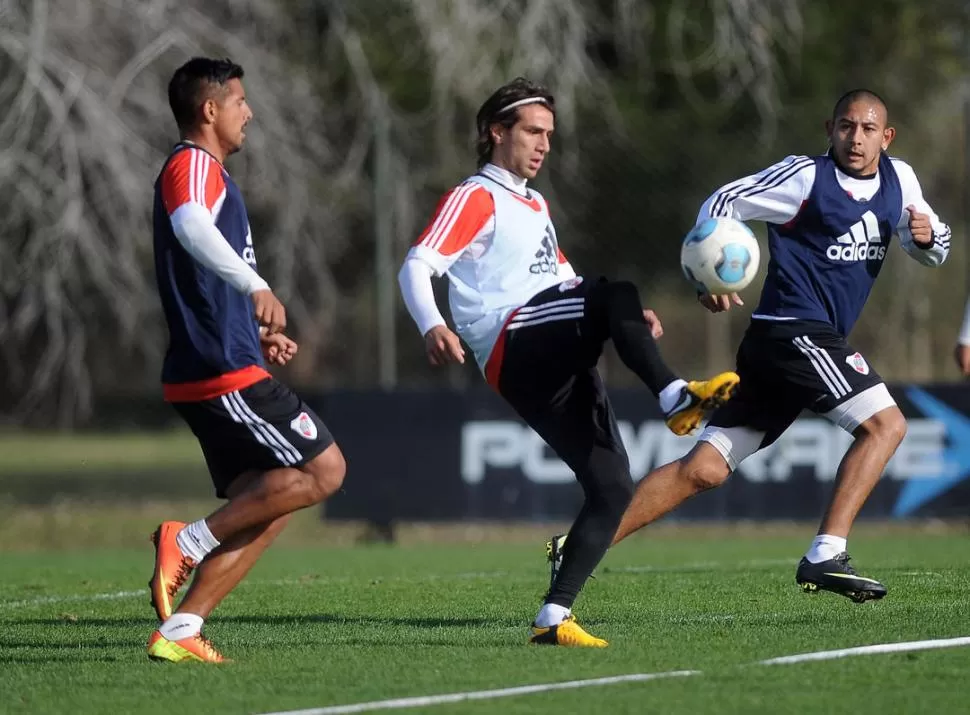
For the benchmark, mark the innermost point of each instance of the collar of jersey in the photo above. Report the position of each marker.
(185, 143)
(506, 179)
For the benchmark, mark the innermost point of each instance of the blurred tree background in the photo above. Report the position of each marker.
(364, 116)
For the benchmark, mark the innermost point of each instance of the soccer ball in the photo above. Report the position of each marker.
(719, 256)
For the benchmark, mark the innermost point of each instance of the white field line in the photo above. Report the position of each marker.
(427, 700)
(878, 649)
(46, 600)
(417, 702)
(697, 566)
(118, 595)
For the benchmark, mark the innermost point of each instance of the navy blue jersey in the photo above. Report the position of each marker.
(824, 262)
(213, 335)
(828, 233)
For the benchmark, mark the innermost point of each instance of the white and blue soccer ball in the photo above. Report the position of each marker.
(720, 255)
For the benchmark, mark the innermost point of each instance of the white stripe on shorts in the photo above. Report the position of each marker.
(544, 318)
(825, 367)
(265, 433)
(292, 452)
(260, 437)
(542, 308)
(828, 358)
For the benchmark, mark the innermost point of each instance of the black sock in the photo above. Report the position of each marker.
(622, 312)
(609, 488)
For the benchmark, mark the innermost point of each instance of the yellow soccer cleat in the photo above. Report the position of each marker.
(172, 569)
(568, 633)
(699, 399)
(195, 648)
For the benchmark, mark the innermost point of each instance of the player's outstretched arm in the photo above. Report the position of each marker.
(774, 194)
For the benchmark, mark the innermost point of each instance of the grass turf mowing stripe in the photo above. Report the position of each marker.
(425, 700)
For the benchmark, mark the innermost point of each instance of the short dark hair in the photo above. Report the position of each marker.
(498, 109)
(854, 95)
(193, 83)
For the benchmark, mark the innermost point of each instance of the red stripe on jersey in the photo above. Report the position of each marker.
(192, 176)
(214, 387)
(493, 366)
(458, 218)
(532, 203)
(562, 256)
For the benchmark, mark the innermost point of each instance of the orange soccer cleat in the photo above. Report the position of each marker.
(172, 568)
(195, 648)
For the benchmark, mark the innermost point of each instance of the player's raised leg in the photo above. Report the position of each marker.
(616, 306)
(614, 311)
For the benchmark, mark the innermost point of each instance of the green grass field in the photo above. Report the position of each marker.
(323, 625)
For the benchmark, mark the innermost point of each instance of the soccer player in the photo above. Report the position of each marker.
(536, 330)
(267, 452)
(830, 221)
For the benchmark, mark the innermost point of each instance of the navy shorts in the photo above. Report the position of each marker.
(261, 427)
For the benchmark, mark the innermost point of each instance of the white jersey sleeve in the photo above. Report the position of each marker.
(464, 214)
(418, 294)
(935, 253)
(196, 230)
(774, 195)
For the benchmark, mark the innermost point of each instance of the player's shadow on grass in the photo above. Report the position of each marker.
(272, 620)
(85, 636)
(337, 619)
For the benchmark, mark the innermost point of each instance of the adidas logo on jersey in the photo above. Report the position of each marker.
(862, 242)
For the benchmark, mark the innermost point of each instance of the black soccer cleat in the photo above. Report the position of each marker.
(837, 576)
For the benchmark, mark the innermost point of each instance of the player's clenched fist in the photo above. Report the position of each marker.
(919, 226)
(270, 313)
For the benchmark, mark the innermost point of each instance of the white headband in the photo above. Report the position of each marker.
(527, 100)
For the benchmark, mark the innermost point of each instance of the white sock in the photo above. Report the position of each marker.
(551, 614)
(181, 625)
(670, 395)
(196, 541)
(825, 547)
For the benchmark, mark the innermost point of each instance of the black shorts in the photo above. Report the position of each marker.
(548, 372)
(789, 366)
(258, 428)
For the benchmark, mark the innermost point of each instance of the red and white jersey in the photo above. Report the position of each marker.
(495, 241)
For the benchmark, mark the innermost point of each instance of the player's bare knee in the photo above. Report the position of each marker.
(702, 471)
(326, 472)
(888, 426)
